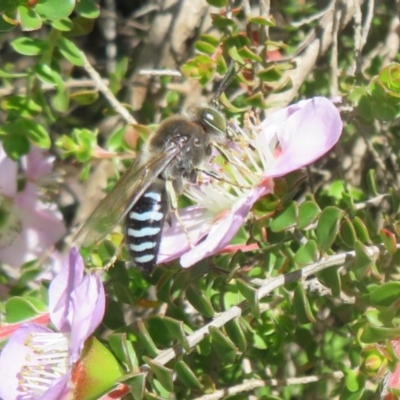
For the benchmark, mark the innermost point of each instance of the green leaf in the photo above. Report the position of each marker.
(256, 100)
(237, 41)
(87, 9)
(63, 25)
(354, 380)
(222, 345)
(364, 107)
(85, 97)
(348, 395)
(271, 74)
(328, 226)
(69, 50)
(307, 253)
(136, 385)
(245, 52)
(37, 134)
(330, 277)
(29, 46)
(34, 131)
(60, 100)
(199, 301)
(123, 349)
(8, 6)
(250, 294)
(386, 295)
(302, 306)
(163, 374)
(236, 334)
(218, 3)
(81, 26)
(55, 9)
(176, 329)
(308, 213)
(262, 21)
(374, 334)
(19, 309)
(147, 341)
(28, 18)
(384, 112)
(363, 261)
(21, 105)
(361, 229)
(79, 144)
(187, 376)
(211, 39)
(205, 47)
(371, 182)
(286, 219)
(221, 22)
(48, 75)
(389, 240)
(16, 146)
(4, 25)
(348, 233)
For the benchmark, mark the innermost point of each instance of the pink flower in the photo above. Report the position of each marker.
(284, 142)
(37, 362)
(28, 226)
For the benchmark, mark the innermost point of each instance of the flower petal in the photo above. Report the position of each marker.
(224, 230)
(41, 227)
(60, 388)
(8, 176)
(174, 242)
(37, 164)
(60, 302)
(13, 357)
(305, 131)
(88, 303)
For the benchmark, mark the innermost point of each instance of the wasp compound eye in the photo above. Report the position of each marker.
(212, 119)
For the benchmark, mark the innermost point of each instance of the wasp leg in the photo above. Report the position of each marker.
(215, 175)
(173, 202)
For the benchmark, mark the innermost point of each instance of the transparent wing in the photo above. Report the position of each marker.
(113, 208)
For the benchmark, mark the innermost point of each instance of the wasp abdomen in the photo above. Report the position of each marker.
(144, 224)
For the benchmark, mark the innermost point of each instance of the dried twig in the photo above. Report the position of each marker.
(252, 384)
(69, 84)
(334, 53)
(103, 88)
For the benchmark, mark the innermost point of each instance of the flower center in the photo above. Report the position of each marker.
(10, 224)
(239, 169)
(46, 361)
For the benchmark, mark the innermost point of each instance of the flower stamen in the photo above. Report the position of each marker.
(47, 360)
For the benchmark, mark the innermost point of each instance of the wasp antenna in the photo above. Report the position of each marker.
(226, 81)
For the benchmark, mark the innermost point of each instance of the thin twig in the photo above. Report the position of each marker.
(252, 384)
(160, 72)
(311, 18)
(334, 54)
(367, 22)
(121, 110)
(357, 38)
(69, 84)
(110, 34)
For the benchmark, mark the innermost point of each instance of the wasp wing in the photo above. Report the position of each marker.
(113, 208)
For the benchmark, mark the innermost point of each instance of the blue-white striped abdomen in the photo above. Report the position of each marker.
(144, 224)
